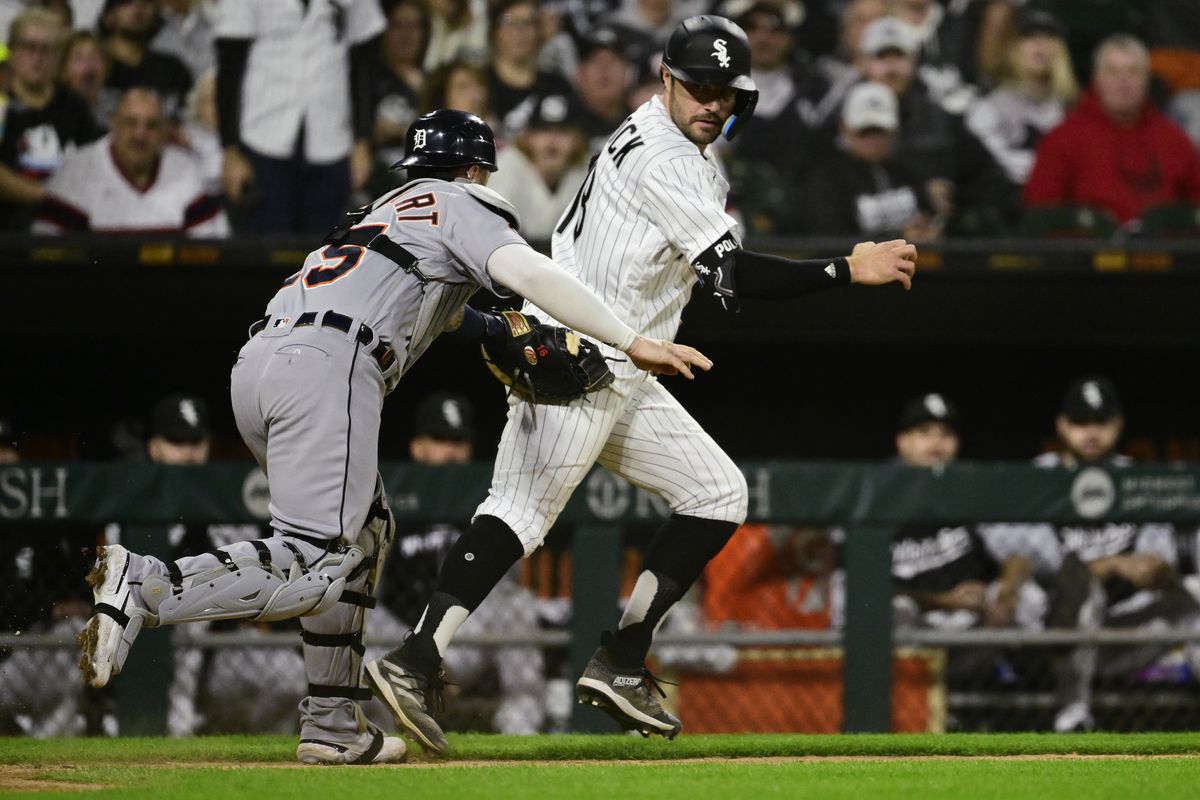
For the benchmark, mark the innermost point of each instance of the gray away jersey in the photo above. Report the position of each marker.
(449, 232)
(651, 204)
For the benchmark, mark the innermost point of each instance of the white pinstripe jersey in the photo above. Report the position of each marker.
(651, 204)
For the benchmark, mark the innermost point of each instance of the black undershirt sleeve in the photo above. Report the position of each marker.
(232, 55)
(362, 111)
(762, 276)
(730, 273)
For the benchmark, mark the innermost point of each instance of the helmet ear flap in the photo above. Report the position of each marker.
(743, 109)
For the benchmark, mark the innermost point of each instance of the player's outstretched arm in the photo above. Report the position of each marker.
(548, 286)
(661, 357)
(874, 264)
(730, 273)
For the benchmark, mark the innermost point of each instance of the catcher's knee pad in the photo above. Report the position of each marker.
(264, 580)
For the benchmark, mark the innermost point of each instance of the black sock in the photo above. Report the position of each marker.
(674, 560)
(474, 565)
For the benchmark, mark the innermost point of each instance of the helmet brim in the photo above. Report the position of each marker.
(712, 77)
(425, 160)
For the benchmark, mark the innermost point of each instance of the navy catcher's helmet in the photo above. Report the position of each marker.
(448, 138)
(713, 51)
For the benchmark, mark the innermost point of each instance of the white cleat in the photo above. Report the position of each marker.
(116, 619)
(380, 749)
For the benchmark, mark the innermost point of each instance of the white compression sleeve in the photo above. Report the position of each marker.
(547, 285)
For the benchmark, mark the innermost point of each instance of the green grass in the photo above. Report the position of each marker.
(165, 769)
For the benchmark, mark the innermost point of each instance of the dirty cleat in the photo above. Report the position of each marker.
(626, 696)
(403, 690)
(117, 618)
(372, 748)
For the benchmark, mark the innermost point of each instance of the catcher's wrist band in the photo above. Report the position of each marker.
(477, 325)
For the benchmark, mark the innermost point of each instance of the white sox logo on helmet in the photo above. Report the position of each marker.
(419, 139)
(720, 53)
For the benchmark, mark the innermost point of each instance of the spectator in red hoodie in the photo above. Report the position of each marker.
(1115, 150)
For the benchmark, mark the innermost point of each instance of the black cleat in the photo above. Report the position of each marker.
(403, 690)
(626, 696)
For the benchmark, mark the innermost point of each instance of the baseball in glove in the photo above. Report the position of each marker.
(545, 364)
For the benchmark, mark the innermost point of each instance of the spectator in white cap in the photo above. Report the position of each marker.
(957, 171)
(864, 191)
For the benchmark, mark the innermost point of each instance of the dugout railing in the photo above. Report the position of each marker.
(867, 499)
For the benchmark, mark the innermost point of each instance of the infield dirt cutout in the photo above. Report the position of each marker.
(21, 778)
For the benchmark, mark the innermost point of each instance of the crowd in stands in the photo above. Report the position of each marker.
(876, 117)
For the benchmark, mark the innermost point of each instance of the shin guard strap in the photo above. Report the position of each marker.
(357, 599)
(117, 614)
(352, 640)
(348, 692)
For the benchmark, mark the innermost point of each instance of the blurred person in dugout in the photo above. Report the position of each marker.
(865, 191)
(243, 689)
(508, 682)
(131, 181)
(40, 569)
(951, 577)
(542, 170)
(294, 107)
(1115, 150)
(1109, 574)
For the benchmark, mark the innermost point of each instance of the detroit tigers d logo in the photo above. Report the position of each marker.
(419, 139)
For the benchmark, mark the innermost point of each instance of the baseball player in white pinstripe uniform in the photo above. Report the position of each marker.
(648, 223)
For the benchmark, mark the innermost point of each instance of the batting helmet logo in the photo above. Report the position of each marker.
(720, 53)
(448, 138)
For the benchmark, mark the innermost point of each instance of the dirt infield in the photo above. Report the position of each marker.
(25, 779)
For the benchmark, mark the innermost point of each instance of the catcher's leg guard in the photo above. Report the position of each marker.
(333, 728)
(264, 580)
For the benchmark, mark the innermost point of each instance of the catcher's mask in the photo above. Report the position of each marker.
(448, 138)
(714, 51)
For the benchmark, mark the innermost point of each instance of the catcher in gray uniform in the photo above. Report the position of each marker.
(307, 392)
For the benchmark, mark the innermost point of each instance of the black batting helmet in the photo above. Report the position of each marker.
(448, 138)
(714, 51)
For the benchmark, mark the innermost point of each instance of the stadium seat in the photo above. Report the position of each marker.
(1067, 222)
(1173, 221)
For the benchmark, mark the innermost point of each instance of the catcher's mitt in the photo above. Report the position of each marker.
(545, 363)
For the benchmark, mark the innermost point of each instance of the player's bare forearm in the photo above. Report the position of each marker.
(661, 357)
(875, 264)
(1143, 570)
(1013, 572)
